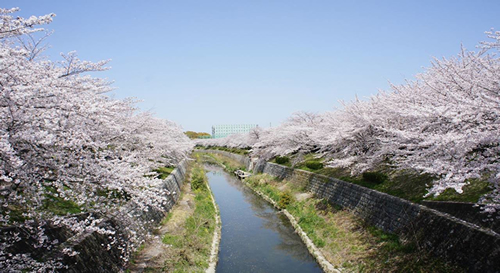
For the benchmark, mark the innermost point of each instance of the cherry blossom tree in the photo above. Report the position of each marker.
(60, 135)
(444, 123)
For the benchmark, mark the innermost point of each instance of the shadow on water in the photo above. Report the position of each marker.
(255, 236)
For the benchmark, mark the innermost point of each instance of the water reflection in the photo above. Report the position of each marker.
(255, 236)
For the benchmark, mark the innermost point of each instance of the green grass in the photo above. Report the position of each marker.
(310, 221)
(164, 172)
(52, 203)
(472, 192)
(167, 218)
(190, 245)
(59, 205)
(282, 160)
(311, 163)
(346, 240)
(405, 184)
(408, 185)
(198, 179)
(175, 241)
(230, 164)
(114, 194)
(349, 242)
(308, 162)
(241, 151)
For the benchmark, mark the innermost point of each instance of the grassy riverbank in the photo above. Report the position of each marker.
(227, 149)
(229, 164)
(190, 243)
(344, 239)
(184, 239)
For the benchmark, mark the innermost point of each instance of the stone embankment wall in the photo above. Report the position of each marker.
(458, 241)
(95, 257)
(453, 239)
(94, 253)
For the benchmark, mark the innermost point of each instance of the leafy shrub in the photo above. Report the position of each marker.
(198, 179)
(285, 199)
(314, 165)
(375, 177)
(282, 159)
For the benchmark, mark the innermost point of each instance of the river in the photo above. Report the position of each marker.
(256, 237)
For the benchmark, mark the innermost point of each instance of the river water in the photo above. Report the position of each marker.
(255, 236)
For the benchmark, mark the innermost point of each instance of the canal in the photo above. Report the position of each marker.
(255, 236)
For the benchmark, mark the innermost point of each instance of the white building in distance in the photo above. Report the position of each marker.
(219, 131)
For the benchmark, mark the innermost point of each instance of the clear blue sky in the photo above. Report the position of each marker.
(200, 63)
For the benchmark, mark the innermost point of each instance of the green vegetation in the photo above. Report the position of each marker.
(472, 192)
(190, 242)
(345, 240)
(164, 172)
(310, 162)
(310, 221)
(241, 151)
(165, 220)
(374, 177)
(405, 184)
(61, 204)
(230, 164)
(114, 194)
(198, 179)
(58, 205)
(283, 160)
(193, 135)
(314, 165)
(412, 186)
(15, 213)
(285, 200)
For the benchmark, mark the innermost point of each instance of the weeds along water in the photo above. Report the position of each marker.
(344, 239)
(192, 243)
(186, 232)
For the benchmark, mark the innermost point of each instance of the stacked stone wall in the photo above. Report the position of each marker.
(453, 239)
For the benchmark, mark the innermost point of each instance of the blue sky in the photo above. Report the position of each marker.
(200, 63)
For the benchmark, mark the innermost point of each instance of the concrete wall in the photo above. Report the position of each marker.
(453, 239)
(94, 256)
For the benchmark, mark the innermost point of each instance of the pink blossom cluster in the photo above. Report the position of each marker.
(61, 136)
(446, 123)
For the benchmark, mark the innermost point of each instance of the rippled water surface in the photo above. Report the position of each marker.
(255, 236)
